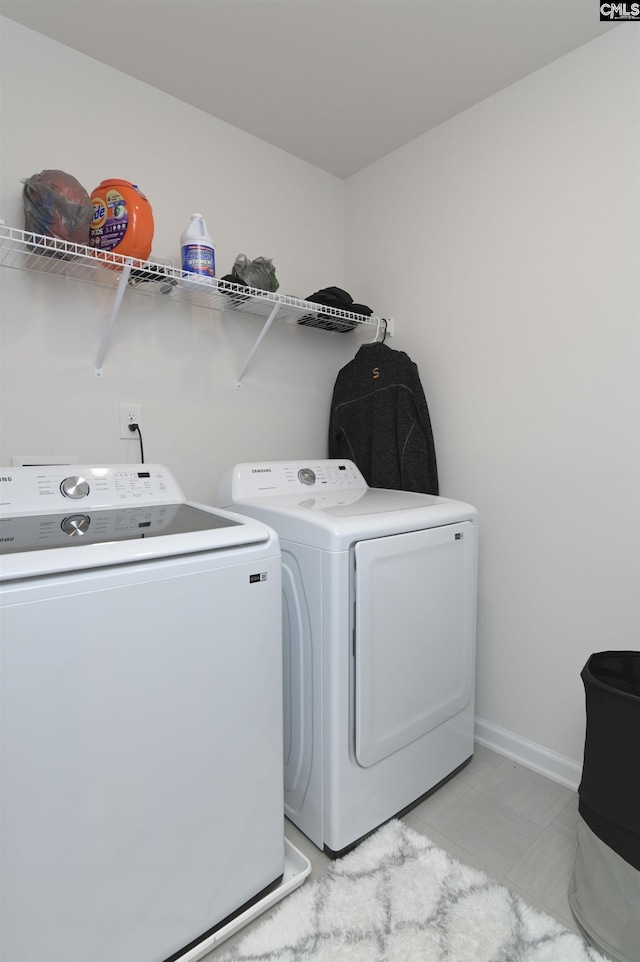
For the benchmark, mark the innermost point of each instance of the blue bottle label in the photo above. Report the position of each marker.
(197, 259)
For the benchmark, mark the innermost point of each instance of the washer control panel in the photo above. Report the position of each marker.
(274, 478)
(48, 488)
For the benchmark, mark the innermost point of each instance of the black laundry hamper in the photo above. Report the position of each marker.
(605, 890)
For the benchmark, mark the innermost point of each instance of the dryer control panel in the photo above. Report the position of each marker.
(273, 478)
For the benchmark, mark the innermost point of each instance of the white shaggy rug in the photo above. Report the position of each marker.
(398, 898)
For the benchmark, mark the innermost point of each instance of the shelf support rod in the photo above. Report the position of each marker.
(122, 283)
(267, 325)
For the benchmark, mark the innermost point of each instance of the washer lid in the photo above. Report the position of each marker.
(55, 543)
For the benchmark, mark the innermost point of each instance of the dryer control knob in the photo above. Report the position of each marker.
(307, 476)
(75, 487)
(76, 524)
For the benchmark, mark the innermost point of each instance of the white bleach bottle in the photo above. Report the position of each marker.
(198, 252)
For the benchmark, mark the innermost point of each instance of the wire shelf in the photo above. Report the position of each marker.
(47, 255)
(36, 252)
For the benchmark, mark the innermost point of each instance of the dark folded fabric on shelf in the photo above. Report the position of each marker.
(339, 299)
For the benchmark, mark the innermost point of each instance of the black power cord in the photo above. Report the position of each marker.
(136, 427)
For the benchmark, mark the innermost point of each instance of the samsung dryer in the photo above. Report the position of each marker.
(379, 622)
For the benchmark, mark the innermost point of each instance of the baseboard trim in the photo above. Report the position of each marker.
(536, 757)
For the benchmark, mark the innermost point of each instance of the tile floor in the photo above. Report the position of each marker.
(495, 815)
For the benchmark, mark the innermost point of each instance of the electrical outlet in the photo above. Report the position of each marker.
(130, 414)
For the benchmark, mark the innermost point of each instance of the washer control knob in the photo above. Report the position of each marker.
(76, 524)
(75, 487)
(306, 476)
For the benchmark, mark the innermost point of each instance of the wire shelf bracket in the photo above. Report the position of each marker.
(122, 284)
(267, 325)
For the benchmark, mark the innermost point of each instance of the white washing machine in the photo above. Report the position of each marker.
(141, 698)
(379, 612)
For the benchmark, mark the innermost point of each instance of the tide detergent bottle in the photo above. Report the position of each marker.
(122, 220)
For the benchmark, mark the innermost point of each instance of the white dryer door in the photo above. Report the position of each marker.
(414, 641)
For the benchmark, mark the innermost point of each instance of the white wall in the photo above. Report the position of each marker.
(63, 110)
(505, 242)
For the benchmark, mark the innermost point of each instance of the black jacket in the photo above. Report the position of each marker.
(380, 420)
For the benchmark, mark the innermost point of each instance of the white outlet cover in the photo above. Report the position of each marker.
(128, 408)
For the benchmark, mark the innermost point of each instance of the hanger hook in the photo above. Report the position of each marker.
(379, 320)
